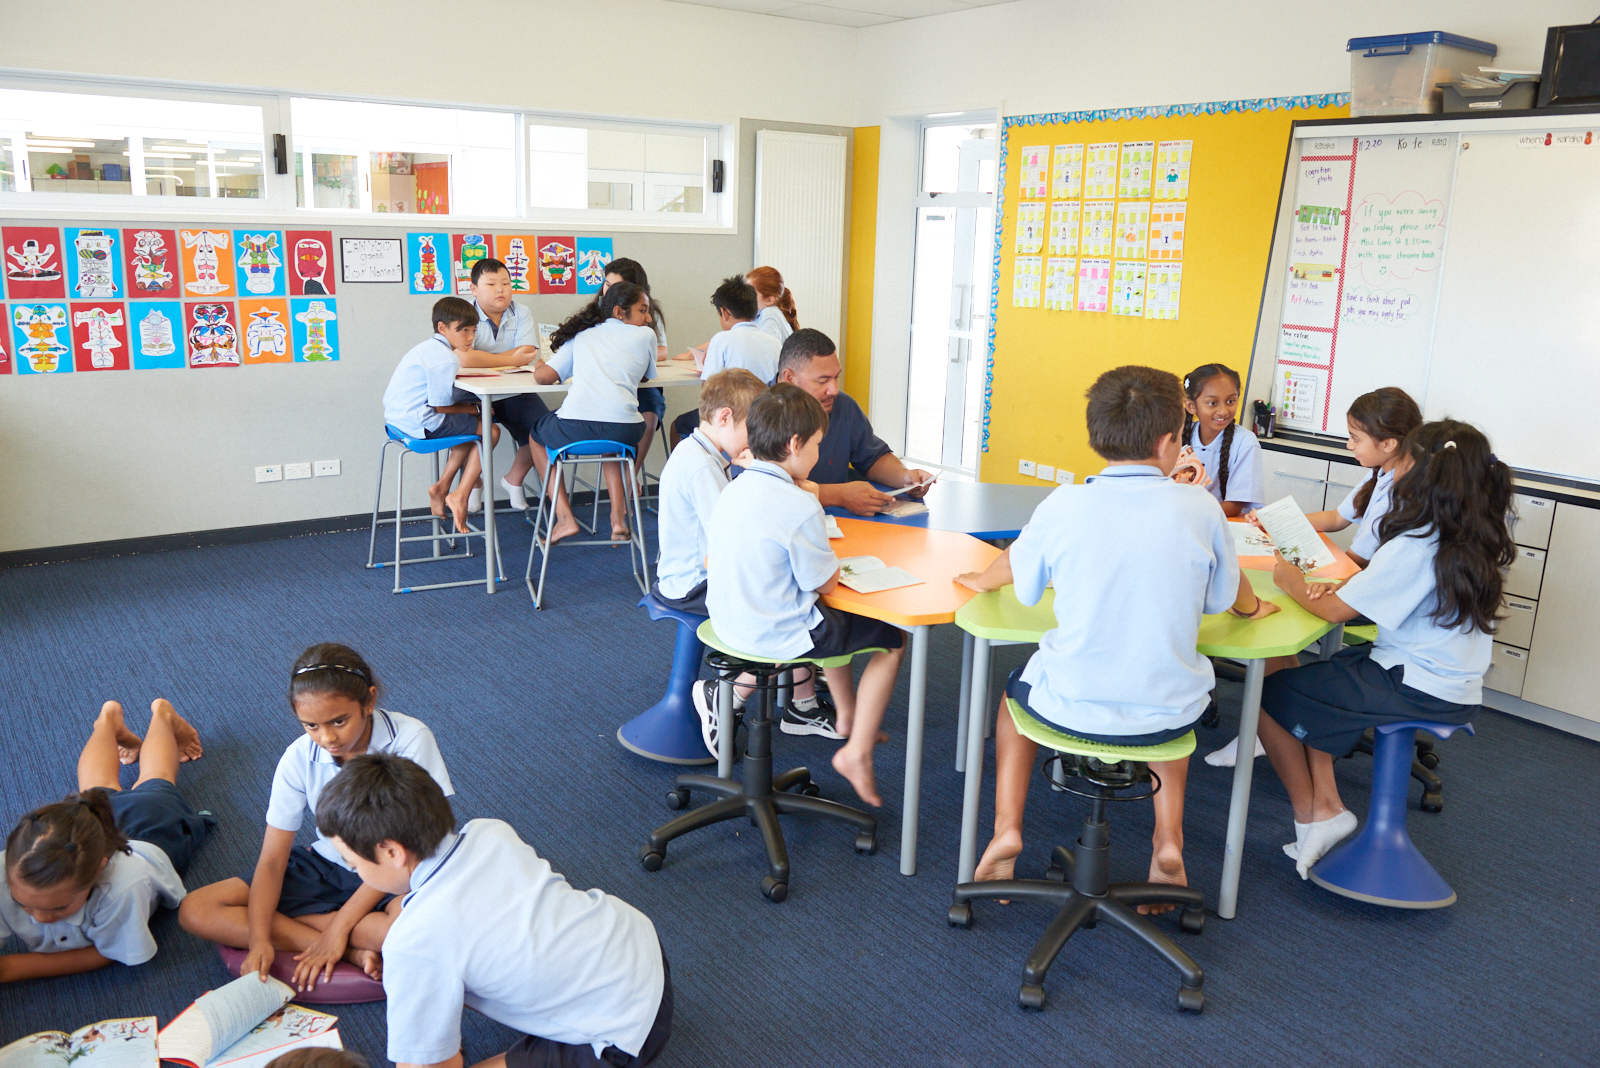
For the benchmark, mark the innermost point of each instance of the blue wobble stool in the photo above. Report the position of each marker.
(1380, 865)
(669, 730)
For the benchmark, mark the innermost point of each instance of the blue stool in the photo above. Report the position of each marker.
(1380, 865)
(669, 730)
(422, 447)
(544, 521)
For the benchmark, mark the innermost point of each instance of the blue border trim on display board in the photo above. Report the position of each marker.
(1054, 118)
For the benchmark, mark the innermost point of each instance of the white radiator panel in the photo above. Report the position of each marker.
(800, 205)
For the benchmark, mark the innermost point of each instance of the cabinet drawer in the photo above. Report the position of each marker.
(1532, 523)
(1507, 668)
(1516, 626)
(1286, 475)
(1525, 573)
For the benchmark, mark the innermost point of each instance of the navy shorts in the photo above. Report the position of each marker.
(693, 602)
(155, 812)
(1329, 704)
(845, 632)
(653, 399)
(686, 423)
(456, 425)
(519, 414)
(553, 432)
(313, 884)
(1018, 691)
(531, 1051)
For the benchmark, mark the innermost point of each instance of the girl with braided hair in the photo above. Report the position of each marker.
(1232, 456)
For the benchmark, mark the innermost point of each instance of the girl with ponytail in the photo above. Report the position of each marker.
(777, 315)
(1433, 588)
(652, 401)
(1231, 455)
(84, 875)
(1378, 422)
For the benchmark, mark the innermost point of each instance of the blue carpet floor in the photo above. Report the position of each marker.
(858, 967)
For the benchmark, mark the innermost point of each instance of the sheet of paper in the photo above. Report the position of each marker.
(1133, 228)
(290, 1026)
(1031, 218)
(1138, 157)
(1100, 169)
(1161, 284)
(1098, 234)
(1248, 541)
(220, 1018)
(1067, 172)
(1094, 285)
(831, 525)
(1065, 221)
(1172, 170)
(1127, 288)
(1166, 231)
(545, 330)
(1035, 179)
(1025, 281)
(901, 509)
(1060, 283)
(1293, 535)
(868, 574)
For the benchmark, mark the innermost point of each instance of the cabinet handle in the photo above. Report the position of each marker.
(1302, 478)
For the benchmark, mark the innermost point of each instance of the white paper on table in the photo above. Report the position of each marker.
(1248, 541)
(831, 525)
(868, 574)
(1291, 531)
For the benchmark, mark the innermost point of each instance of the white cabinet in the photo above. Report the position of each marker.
(1531, 520)
(1507, 669)
(1526, 572)
(1285, 474)
(1342, 478)
(1563, 668)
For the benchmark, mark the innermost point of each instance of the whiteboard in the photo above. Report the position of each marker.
(1458, 259)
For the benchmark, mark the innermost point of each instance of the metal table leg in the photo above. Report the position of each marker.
(965, 701)
(486, 408)
(914, 725)
(1239, 807)
(976, 719)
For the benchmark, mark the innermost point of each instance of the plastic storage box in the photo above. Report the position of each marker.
(1511, 97)
(1400, 74)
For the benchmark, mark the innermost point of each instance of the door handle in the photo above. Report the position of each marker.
(1303, 478)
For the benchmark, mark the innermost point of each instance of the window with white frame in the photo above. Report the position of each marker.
(620, 170)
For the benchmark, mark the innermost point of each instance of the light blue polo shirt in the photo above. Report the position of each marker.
(425, 379)
(1246, 484)
(606, 364)
(1136, 560)
(768, 552)
(490, 925)
(692, 480)
(116, 918)
(743, 345)
(773, 321)
(306, 769)
(1365, 543)
(1398, 592)
(516, 328)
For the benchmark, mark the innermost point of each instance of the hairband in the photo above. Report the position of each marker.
(362, 675)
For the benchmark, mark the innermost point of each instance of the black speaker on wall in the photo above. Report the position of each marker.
(716, 176)
(1571, 72)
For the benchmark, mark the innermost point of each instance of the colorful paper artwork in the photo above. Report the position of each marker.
(594, 256)
(1060, 277)
(1098, 234)
(1138, 157)
(1035, 172)
(428, 263)
(155, 334)
(1025, 281)
(1133, 228)
(260, 262)
(94, 264)
(212, 333)
(1064, 225)
(316, 331)
(311, 262)
(1100, 170)
(1166, 231)
(1031, 218)
(1094, 285)
(1127, 289)
(33, 262)
(100, 336)
(41, 338)
(1172, 170)
(1067, 172)
(517, 252)
(1161, 283)
(151, 262)
(558, 265)
(5, 349)
(207, 263)
(266, 331)
(466, 250)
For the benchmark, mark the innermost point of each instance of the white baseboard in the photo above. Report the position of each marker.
(1550, 717)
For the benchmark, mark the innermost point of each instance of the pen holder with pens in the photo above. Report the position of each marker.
(1265, 421)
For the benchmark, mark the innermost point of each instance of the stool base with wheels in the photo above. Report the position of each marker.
(439, 532)
(1381, 865)
(762, 797)
(544, 521)
(669, 730)
(1079, 884)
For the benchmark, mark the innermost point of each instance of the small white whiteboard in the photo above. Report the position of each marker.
(371, 259)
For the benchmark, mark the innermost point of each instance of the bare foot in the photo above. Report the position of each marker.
(436, 499)
(565, 528)
(188, 739)
(621, 534)
(844, 732)
(1166, 866)
(368, 960)
(128, 743)
(457, 503)
(859, 772)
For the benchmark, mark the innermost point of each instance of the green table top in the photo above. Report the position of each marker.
(999, 616)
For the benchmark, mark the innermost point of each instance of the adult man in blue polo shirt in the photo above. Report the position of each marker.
(851, 456)
(506, 337)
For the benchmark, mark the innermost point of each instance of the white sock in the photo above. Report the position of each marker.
(805, 704)
(519, 498)
(1322, 836)
(1292, 849)
(1228, 755)
(738, 699)
(475, 500)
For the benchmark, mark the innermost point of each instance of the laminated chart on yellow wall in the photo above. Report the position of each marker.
(1134, 169)
(1161, 283)
(1064, 223)
(1025, 281)
(1100, 169)
(1166, 231)
(1035, 172)
(1031, 219)
(1133, 228)
(1067, 172)
(1098, 236)
(1094, 285)
(1127, 288)
(1060, 282)
(1172, 170)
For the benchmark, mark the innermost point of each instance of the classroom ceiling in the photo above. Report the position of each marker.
(849, 12)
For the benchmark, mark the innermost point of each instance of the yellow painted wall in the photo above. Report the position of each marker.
(1045, 360)
(863, 260)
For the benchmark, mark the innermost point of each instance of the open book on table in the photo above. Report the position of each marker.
(245, 1024)
(1289, 532)
(129, 1043)
(868, 574)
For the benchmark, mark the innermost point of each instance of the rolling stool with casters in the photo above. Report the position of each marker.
(762, 796)
(1380, 865)
(669, 730)
(1078, 882)
(421, 447)
(1426, 759)
(544, 520)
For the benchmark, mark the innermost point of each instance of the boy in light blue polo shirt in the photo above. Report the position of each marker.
(1136, 560)
(487, 924)
(506, 337)
(741, 343)
(769, 560)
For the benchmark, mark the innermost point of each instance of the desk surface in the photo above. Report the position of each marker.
(674, 373)
(984, 510)
(935, 556)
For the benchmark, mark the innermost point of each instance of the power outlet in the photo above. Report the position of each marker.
(1024, 467)
(269, 473)
(1063, 477)
(1047, 472)
(296, 470)
(326, 467)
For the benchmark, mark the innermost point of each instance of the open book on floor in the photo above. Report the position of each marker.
(868, 574)
(129, 1043)
(245, 1024)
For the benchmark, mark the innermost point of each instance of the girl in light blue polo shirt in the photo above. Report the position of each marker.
(1378, 422)
(1231, 455)
(1433, 588)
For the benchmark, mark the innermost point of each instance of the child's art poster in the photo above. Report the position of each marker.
(1099, 234)
(1031, 216)
(311, 262)
(316, 330)
(41, 338)
(33, 262)
(1064, 224)
(594, 256)
(1138, 157)
(428, 264)
(212, 333)
(1067, 172)
(517, 252)
(100, 336)
(150, 262)
(155, 334)
(1172, 170)
(260, 263)
(1127, 289)
(5, 348)
(1166, 231)
(1094, 285)
(558, 265)
(1035, 172)
(1100, 170)
(1161, 285)
(1060, 274)
(207, 263)
(266, 331)
(466, 250)
(1025, 280)
(1133, 227)
(94, 264)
